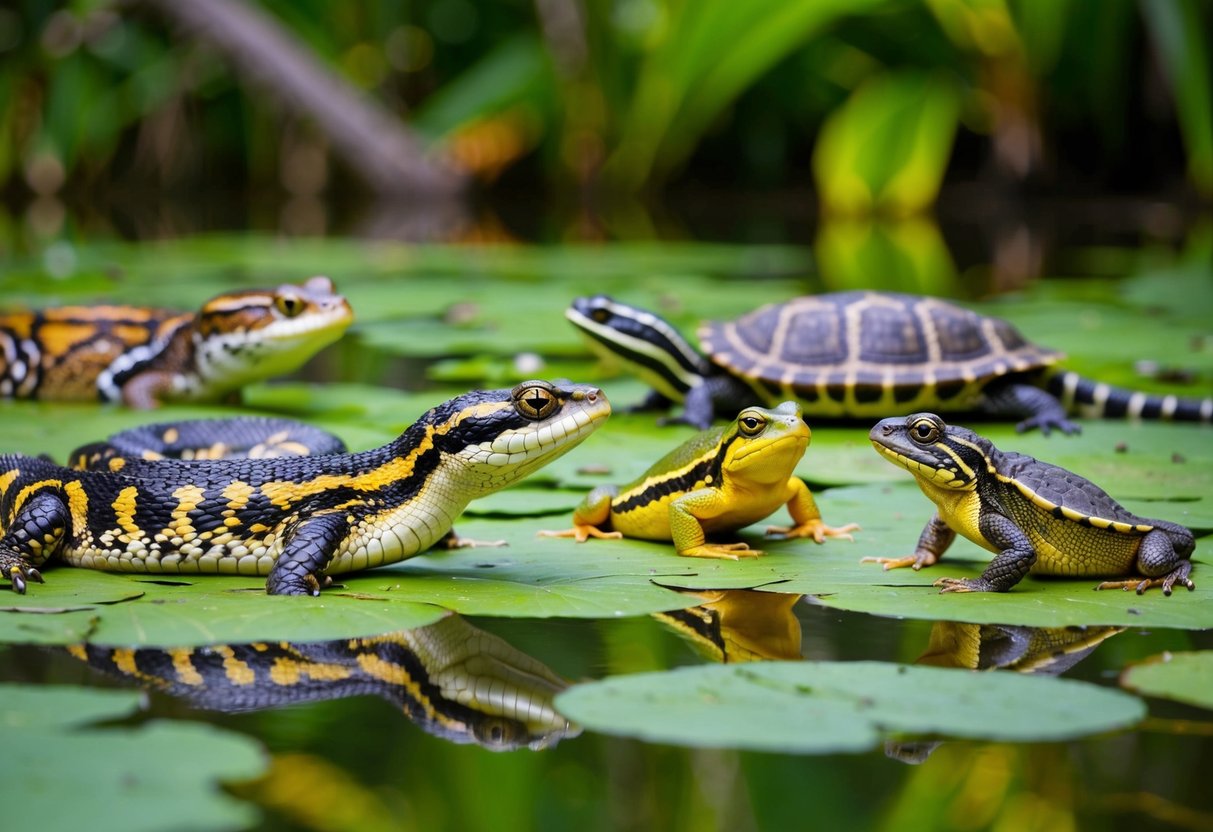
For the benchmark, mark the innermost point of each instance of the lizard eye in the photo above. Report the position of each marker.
(924, 431)
(534, 401)
(751, 425)
(289, 305)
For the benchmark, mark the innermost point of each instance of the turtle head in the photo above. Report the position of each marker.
(946, 456)
(647, 344)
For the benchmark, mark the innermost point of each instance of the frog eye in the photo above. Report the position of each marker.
(289, 305)
(751, 425)
(534, 401)
(924, 431)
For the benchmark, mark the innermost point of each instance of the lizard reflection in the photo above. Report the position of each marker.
(454, 680)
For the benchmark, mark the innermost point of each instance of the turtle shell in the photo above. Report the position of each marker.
(870, 353)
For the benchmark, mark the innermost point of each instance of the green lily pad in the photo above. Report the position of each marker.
(154, 774)
(1182, 677)
(147, 610)
(522, 501)
(832, 707)
(834, 574)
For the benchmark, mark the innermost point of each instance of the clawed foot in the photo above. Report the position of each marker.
(916, 561)
(293, 585)
(19, 573)
(963, 585)
(723, 551)
(18, 570)
(1047, 423)
(580, 533)
(815, 529)
(1142, 584)
(454, 541)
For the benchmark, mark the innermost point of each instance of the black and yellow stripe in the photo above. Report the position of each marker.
(862, 354)
(1036, 517)
(293, 519)
(452, 679)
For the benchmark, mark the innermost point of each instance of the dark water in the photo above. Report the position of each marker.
(375, 759)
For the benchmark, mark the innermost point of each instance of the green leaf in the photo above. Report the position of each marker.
(77, 605)
(833, 707)
(1181, 677)
(1180, 29)
(888, 146)
(154, 775)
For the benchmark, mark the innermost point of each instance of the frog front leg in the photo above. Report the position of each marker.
(309, 547)
(935, 539)
(687, 514)
(1015, 557)
(589, 518)
(806, 516)
(32, 537)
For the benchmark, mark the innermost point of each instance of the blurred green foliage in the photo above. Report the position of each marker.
(635, 93)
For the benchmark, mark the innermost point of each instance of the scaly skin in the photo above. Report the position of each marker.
(717, 482)
(296, 520)
(142, 356)
(1034, 516)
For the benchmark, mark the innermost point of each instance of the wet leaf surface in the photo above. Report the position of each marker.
(831, 707)
(1181, 677)
(155, 775)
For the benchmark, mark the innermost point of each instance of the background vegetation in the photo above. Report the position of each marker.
(882, 99)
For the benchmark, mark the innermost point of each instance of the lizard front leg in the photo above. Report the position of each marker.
(32, 537)
(309, 547)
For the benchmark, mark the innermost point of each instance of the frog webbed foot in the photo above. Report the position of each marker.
(815, 529)
(580, 532)
(723, 551)
(916, 561)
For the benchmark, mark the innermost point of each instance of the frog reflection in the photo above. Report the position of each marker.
(739, 625)
(454, 680)
(1047, 650)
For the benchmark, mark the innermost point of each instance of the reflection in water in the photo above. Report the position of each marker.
(739, 625)
(1048, 650)
(454, 680)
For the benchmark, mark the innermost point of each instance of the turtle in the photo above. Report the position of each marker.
(860, 354)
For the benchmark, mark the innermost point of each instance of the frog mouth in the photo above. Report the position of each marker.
(774, 445)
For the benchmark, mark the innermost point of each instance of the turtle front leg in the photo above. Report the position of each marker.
(1036, 408)
(935, 539)
(807, 517)
(1015, 557)
(299, 570)
(687, 514)
(34, 536)
(589, 517)
(711, 395)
